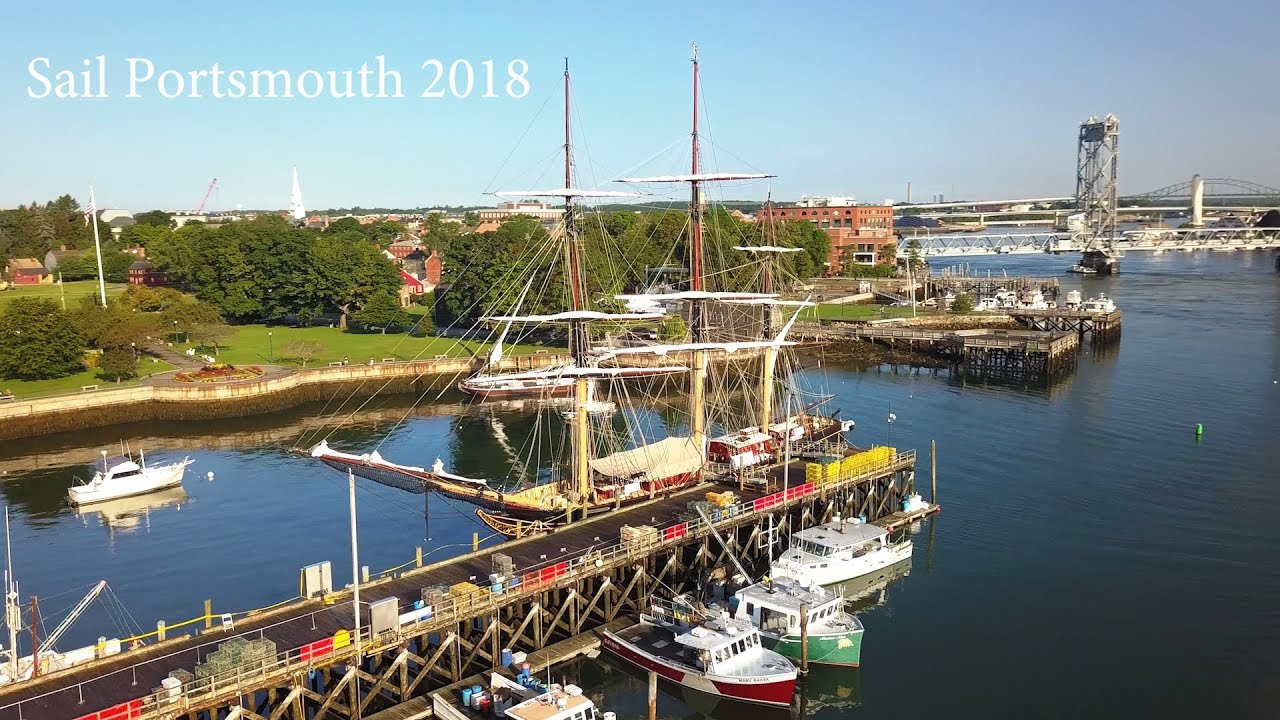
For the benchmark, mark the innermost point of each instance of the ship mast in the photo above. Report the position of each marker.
(698, 410)
(770, 352)
(578, 338)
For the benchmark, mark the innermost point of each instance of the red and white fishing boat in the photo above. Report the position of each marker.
(723, 657)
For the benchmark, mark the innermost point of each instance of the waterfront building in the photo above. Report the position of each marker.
(542, 211)
(859, 230)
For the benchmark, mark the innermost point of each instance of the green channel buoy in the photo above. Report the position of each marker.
(1199, 429)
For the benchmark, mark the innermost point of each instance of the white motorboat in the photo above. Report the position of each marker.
(122, 477)
(1100, 304)
(837, 551)
(1082, 269)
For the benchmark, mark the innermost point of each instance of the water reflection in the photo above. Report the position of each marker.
(129, 514)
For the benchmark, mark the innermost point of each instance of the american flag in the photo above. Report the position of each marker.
(89, 211)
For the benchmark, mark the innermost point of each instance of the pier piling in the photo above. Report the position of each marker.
(653, 695)
(804, 638)
(933, 471)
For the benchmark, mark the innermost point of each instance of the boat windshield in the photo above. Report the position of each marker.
(814, 548)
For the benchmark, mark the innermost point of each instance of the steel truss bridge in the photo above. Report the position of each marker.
(1154, 240)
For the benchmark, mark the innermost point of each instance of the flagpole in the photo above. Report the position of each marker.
(97, 246)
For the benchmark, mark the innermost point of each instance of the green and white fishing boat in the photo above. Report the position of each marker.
(773, 606)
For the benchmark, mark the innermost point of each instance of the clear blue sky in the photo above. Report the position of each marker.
(992, 93)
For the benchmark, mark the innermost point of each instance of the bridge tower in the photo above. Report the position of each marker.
(1097, 152)
(1197, 201)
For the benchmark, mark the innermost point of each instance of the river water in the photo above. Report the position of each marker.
(1093, 558)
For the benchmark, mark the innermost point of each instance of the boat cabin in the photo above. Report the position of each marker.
(836, 540)
(741, 449)
(774, 606)
(793, 427)
(119, 467)
(719, 645)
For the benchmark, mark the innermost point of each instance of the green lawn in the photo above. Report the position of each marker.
(73, 383)
(74, 291)
(250, 345)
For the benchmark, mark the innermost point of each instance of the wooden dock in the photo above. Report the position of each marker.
(994, 354)
(1100, 327)
(563, 585)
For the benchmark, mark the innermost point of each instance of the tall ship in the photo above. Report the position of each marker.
(612, 460)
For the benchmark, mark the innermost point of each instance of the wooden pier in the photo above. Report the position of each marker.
(1100, 327)
(562, 585)
(995, 354)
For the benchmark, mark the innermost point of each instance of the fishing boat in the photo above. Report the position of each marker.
(724, 657)
(837, 551)
(774, 606)
(120, 477)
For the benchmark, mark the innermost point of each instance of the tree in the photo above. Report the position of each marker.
(303, 351)
(116, 326)
(913, 254)
(118, 363)
(487, 271)
(198, 321)
(887, 253)
(673, 329)
(38, 341)
(381, 311)
(471, 218)
(154, 218)
(963, 303)
(344, 225)
(346, 271)
(212, 334)
(145, 235)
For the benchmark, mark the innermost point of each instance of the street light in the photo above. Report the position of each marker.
(271, 348)
(175, 332)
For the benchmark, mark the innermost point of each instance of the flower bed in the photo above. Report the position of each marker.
(220, 372)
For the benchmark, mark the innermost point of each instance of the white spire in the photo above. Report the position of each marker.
(296, 208)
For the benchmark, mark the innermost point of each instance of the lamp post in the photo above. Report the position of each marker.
(175, 332)
(271, 348)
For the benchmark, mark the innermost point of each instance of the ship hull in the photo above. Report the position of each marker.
(842, 649)
(777, 693)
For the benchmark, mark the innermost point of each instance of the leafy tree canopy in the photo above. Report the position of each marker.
(38, 341)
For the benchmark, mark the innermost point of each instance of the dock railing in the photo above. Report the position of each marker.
(207, 692)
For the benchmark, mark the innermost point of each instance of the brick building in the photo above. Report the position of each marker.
(859, 230)
(142, 273)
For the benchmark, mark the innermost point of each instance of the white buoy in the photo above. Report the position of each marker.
(209, 476)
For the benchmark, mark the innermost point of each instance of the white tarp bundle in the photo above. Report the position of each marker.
(663, 459)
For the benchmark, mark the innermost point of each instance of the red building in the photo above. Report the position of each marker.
(28, 271)
(857, 232)
(141, 273)
(401, 249)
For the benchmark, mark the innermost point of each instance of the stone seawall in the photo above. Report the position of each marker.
(181, 401)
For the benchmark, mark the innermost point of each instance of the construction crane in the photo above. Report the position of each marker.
(205, 200)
